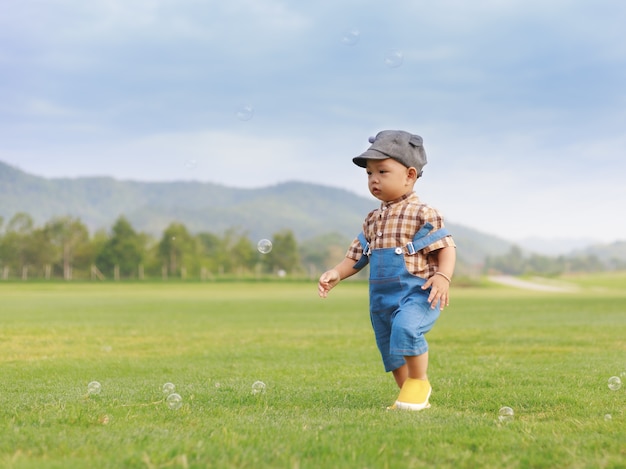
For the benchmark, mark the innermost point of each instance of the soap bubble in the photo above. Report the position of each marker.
(394, 58)
(244, 112)
(351, 37)
(174, 401)
(505, 414)
(258, 387)
(94, 388)
(614, 383)
(264, 246)
(168, 388)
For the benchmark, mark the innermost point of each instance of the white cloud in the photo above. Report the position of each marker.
(117, 20)
(37, 108)
(517, 101)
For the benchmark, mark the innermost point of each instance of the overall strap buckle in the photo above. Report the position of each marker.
(422, 238)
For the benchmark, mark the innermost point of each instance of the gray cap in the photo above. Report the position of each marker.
(402, 146)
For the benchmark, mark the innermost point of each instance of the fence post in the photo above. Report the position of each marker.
(95, 273)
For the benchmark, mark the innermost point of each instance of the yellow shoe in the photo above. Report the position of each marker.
(414, 395)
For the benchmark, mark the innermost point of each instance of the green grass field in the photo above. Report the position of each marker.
(546, 355)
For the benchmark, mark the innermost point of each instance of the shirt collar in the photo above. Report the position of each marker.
(391, 203)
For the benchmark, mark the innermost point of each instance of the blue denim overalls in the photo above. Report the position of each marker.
(399, 308)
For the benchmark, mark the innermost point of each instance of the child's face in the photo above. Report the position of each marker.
(388, 179)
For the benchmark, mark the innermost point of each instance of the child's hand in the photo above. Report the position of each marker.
(439, 291)
(327, 281)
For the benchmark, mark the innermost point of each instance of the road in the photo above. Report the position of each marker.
(528, 285)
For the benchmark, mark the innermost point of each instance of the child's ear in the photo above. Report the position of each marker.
(412, 173)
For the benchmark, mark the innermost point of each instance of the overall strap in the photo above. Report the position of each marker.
(364, 260)
(423, 239)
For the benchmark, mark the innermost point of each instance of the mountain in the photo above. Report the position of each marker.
(308, 210)
(554, 247)
(611, 254)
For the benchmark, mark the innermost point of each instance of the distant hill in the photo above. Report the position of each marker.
(611, 254)
(554, 246)
(308, 210)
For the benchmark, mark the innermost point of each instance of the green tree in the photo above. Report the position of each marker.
(68, 238)
(177, 248)
(234, 252)
(243, 253)
(15, 250)
(124, 248)
(543, 265)
(512, 263)
(213, 252)
(585, 263)
(320, 252)
(284, 254)
(40, 253)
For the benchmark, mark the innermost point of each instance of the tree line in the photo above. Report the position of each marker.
(64, 248)
(514, 262)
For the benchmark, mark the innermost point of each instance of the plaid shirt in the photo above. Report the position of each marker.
(394, 224)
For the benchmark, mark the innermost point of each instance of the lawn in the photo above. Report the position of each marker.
(548, 356)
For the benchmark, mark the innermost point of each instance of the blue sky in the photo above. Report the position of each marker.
(521, 104)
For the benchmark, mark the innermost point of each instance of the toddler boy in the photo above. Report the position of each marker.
(411, 256)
